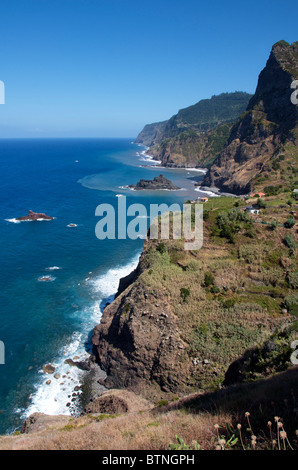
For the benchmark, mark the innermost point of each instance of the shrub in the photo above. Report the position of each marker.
(228, 303)
(126, 309)
(208, 279)
(206, 214)
(215, 289)
(193, 265)
(290, 222)
(275, 166)
(292, 278)
(290, 243)
(261, 203)
(291, 303)
(250, 233)
(273, 225)
(161, 248)
(184, 293)
(162, 403)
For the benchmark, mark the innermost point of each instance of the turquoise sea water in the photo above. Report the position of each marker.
(47, 322)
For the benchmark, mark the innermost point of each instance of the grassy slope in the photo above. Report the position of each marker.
(235, 292)
(281, 170)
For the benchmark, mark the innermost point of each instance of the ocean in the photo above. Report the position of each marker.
(49, 322)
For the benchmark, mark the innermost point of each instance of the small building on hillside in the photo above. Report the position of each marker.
(252, 210)
(204, 199)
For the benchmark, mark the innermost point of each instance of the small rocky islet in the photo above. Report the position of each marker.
(34, 216)
(158, 183)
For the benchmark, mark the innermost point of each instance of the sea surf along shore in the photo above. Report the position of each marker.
(56, 275)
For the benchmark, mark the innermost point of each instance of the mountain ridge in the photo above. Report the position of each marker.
(266, 131)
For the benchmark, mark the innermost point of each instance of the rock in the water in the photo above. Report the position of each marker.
(35, 216)
(48, 369)
(159, 182)
(83, 365)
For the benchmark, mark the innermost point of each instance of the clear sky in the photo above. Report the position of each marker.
(105, 68)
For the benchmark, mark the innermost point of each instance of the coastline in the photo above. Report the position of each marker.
(78, 377)
(212, 191)
(70, 393)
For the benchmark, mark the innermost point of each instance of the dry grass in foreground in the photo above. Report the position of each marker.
(260, 415)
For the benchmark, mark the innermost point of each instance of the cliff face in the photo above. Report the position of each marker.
(191, 148)
(138, 342)
(196, 134)
(268, 129)
(150, 133)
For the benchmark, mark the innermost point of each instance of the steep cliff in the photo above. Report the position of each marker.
(196, 134)
(265, 134)
(192, 148)
(150, 133)
(138, 341)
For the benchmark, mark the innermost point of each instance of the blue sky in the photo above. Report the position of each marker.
(105, 68)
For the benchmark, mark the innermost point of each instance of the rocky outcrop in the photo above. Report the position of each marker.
(35, 216)
(266, 130)
(158, 183)
(117, 402)
(138, 343)
(48, 369)
(38, 422)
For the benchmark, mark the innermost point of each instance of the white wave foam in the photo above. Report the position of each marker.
(52, 268)
(200, 170)
(127, 187)
(57, 397)
(107, 284)
(209, 193)
(13, 221)
(16, 221)
(46, 279)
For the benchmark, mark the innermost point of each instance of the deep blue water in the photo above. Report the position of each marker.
(42, 322)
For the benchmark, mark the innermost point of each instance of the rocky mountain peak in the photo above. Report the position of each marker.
(267, 129)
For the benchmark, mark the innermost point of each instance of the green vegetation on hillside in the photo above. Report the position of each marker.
(237, 291)
(208, 113)
(196, 134)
